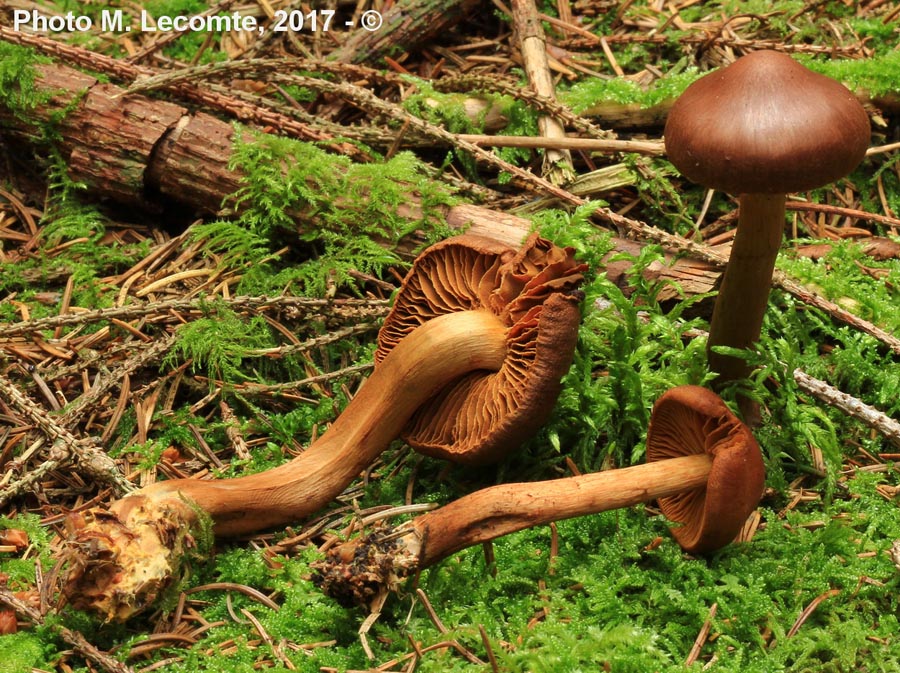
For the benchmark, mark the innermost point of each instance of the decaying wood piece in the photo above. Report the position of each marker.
(129, 147)
(406, 24)
(192, 159)
(186, 157)
(115, 160)
(216, 100)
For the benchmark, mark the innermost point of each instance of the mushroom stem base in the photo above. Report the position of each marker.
(123, 560)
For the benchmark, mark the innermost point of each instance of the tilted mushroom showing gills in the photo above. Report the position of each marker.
(760, 128)
(704, 466)
(493, 313)
(690, 420)
(479, 418)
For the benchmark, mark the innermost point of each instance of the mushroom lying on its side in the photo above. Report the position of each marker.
(504, 320)
(704, 466)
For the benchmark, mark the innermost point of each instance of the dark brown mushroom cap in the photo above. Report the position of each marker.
(766, 125)
(484, 415)
(690, 420)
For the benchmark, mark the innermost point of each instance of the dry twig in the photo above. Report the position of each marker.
(848, 404)
(87, 454)
(557, 161)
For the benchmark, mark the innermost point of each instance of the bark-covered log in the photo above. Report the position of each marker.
(119, 146)
(133, 149)
(191, 163)
(407, 24)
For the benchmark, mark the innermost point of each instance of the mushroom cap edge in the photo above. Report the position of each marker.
(692, 419)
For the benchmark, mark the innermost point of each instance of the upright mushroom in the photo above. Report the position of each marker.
(505, 320)
(703, 464)
(760, 128)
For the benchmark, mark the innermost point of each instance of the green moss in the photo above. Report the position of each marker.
(448, 110)
(24, 651)
(20, 571)
(595, 91)
(841, 275)
(630, 350)
(219, 344)
(877, 76)
(345, 211)
(17, 91)
(190, 43)
(878, 35)
(287, 179)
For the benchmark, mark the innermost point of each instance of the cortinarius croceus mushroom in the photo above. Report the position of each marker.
(760, 128)
(506, 321)
(704, 466)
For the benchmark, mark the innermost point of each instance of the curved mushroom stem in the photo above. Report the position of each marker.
(121, 560)
(744, 293)
(434, 354)
(379, 563)
(703, 465)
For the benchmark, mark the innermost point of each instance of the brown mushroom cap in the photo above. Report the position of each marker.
(484, 415)
(689, 420)
(766, 125)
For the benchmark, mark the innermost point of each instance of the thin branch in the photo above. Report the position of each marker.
(510, 87)
(649, 147)
(845, 212)
(77, 409)
(851, 406)
(262, 388)
(533, 48)
(779, 278)
(89, 456)
(204, 304)
(315, 342)
(371, 103)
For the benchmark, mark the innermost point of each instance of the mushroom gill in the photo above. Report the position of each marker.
(693, 420)
(533, 292)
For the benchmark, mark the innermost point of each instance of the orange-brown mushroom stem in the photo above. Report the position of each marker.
(358, 570)
(701, 450)
(440, 351)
